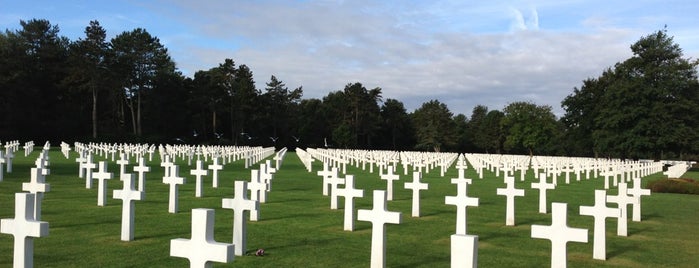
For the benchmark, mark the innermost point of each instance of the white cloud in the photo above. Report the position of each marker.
(463, 53)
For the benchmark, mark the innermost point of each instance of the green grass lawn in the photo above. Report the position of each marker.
(297, 228)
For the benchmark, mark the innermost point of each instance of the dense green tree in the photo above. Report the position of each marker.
(644, 106)
(138, 58)
(476, 125)
(32, 65)
(528, 126)
(397, 131)
(244, 98)
(310, 127)
(434, 127)
(363, 112)
(464, 135)
(88, 66)
(492, 132)
(280, 103)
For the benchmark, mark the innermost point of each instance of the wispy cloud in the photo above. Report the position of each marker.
(463, 53)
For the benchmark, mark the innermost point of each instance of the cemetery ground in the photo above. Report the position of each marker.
(297, 228)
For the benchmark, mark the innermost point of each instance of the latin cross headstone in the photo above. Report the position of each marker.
(89, 165)
(215, 167)
(559, 233)
(2, 162)
(637, 192)
(122, 162)
(327, 173)
(174, 181)
(334, 181)
(257, 192)
(80, 160)
(201, 250)
(600, 212)
(9, 154)
(349, 193)
(266, 175)
(378, 216)
(461, 201)
(167, 165)
(37, 186)
(416, 186)
(141, 170)
(101, 176)
(623, 200)
(510, 193)
(239, 204)
(389, 177)
(128, 194)
(24, 228)
(542, 185)
(461, 168)
(199, 172)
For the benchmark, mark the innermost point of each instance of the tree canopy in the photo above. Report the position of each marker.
(128, 89)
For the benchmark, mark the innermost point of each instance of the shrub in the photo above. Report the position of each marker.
(679, 186)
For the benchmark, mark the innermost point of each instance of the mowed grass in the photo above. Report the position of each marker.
(297, 228)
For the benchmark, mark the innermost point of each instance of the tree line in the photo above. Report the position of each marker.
(128, 89)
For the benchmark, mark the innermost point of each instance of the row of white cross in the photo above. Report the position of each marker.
(27, 225)
(559, 233)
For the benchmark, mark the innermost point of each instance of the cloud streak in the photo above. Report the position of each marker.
(459, 52)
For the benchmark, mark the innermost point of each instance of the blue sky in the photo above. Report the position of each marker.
(463, 53)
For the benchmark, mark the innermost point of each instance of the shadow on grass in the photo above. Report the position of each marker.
(619, 250)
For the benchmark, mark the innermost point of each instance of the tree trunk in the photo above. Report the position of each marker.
(213, 123)
(138, 113)
(94, 113)
(133, 120)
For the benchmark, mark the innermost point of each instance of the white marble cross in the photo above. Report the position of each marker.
(202, 249)
(9, 154)
(510, 192)
(543, 185)
(559, 233)
(174, 180)
(141, 169)
(167, 165)
(266, 175)
(80, 160)
(257, 192)
(101, 176)
(461, 201)
(637, 192)
(600, 212)
(215, 167)
(128, 194)
(334, 182)
(38, 186)
(327, 174)
(199, 172)
(622, 200)
(416, 186)
(378, 216)
(389, 177)
(239, 204)
(349, 193)
(89, 165)
(24, 228)
(461, 167)
(2, 161)
(122, 162)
